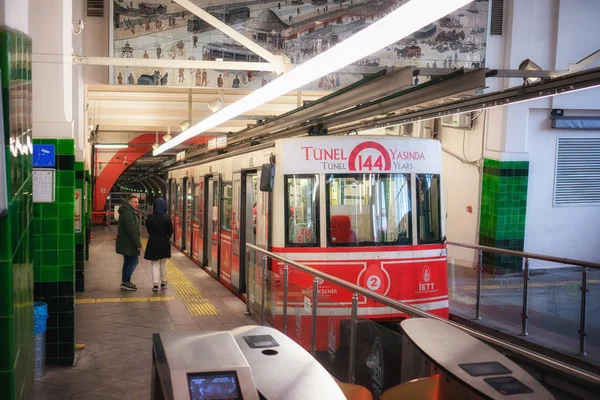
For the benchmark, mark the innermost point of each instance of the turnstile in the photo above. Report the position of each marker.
(250, 362)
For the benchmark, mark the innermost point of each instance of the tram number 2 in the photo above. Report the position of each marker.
(374, 282)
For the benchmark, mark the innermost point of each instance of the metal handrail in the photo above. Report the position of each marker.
(532, 256)
(584, 288)
(410, 310)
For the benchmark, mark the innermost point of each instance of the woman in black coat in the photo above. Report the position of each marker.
(160, 229)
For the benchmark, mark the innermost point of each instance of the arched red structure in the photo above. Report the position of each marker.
(116, 166)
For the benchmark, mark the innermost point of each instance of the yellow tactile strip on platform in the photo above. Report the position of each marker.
(190, 296)
(122, 300)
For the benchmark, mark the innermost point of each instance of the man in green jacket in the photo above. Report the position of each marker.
(128, 241)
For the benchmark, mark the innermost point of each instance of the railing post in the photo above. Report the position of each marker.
(285, 297)
(264, 284)
(525, 311)
(315, 301)
(248, 312)
(583, 311)
(478, 292)
(352, 349)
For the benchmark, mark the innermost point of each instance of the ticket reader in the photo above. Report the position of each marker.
(246, 363)
(466, 367)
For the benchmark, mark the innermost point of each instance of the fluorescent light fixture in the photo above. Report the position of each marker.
(398, 24)
(112, 146)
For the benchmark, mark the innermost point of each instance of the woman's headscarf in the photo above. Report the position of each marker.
(160, 206)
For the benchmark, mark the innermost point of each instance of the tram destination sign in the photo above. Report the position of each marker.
(361, 154)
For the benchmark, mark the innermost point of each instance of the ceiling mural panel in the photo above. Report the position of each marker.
(294, 29)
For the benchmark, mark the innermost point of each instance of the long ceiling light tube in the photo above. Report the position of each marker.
(400, 23)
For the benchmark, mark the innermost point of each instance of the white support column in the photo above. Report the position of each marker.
(52, 68)
(229, 31)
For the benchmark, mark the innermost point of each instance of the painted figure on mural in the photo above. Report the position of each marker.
(198, 77)
(181, 76)
(146, 54)
(120, 79)
(220, 81)
(195, 40)
(204, 78)
(158, 51)
(130, 79)
(236, 83)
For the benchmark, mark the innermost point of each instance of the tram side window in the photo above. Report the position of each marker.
(226, 205)
(369, 210)
(301, 210)
(428, 208)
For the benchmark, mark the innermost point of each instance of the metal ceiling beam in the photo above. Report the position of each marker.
(373, 87)
(193, 64)
(229, 31)
(586, 79)
(456, 83)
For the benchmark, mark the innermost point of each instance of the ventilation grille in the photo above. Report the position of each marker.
(577, 180)
(95, 8)
(497, 17)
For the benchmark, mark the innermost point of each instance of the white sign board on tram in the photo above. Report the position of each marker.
(362, 154)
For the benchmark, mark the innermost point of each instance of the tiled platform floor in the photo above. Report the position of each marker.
(116, 361)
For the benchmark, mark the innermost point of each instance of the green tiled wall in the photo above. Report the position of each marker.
(16, 264)
(503, 208)
(54, 255)
(80, 236)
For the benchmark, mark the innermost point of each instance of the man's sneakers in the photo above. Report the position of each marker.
(128, 286)
(155, 288)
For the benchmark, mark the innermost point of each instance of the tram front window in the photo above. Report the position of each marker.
(301, 210)
(428, 208)
(369, 210)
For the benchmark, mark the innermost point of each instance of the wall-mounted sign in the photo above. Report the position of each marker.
(78, 199)
(43, 155)
(43, 185)
(180, 156)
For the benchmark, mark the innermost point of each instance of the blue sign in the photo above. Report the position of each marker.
(43, 155)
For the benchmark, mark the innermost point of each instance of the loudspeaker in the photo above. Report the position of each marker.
(267, 177)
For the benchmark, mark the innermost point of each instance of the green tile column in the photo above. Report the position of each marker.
(503, 210)
(79, 226)
(16, 261)
(54, 255)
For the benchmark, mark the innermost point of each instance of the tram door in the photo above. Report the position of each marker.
(171, 203)
(248, 200)
(235, 231)
(198, 222)
(188, 185)
(211, 221)
(225, 232)
(178, 215)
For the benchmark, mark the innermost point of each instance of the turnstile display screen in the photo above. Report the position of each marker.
(508, 385)
(485, 368)
(214, 386)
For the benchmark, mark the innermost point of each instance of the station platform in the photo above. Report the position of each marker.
(116, 326)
